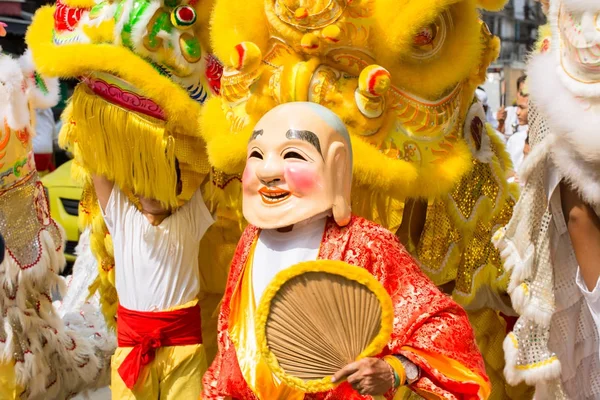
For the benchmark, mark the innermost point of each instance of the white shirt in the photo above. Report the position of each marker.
(592, 298)
(511, 121)
(156, 267)
(44, 131)
(515, 146)
(276, 251)
(574, 330)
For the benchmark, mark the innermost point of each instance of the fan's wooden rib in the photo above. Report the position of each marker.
(371, 319)
(319, 322)
(299, 340)
(320, 305)
(349, 321)
(364, 308)
(296, 301)
(358, 309)
(316, 323)
(279, 342)
(287, 361)
(340, 301)
(323, 303)
(281, 317)
(280, 347)
(301, 327)
(302, 345)
(329, 314)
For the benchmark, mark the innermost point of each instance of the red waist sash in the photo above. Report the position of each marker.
(147, 331)
(43, 162)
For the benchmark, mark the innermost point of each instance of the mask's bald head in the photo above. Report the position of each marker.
(304, 114)
(303, 150)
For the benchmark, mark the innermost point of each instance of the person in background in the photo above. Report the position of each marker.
(43, 141)
(482, 96)
(517, 142)
(508, 121)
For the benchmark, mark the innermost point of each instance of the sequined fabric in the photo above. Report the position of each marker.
(456, 240)
(554, 344)
(425, 319)
(24, 213)
(528, 343)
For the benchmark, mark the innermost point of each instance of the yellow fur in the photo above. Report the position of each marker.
(409, 16)
(101, 33)
(107, 151)
(545, 33)
(79, 3)
(431, 78)
(492, 5)
(52, 60)
(245, 23)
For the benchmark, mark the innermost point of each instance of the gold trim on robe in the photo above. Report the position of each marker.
(242, 332)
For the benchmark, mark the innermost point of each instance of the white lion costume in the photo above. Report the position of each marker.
(41, 355)
(555, 344)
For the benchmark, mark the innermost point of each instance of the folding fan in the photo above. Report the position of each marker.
(316, 317)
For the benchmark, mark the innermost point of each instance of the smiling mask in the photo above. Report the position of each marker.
(299, 164)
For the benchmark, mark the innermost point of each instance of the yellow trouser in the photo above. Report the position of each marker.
(8, 385)
(174, 374)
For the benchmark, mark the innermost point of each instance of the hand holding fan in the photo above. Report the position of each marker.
(316, 317)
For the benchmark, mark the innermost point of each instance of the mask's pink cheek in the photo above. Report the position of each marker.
(302, 179)
(248, 179)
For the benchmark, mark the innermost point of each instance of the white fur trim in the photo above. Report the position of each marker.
(61, 357)
(126, 10)
(16, 109)
(531, 376)
(561, 107)
(527, 306)
(582, 175)
(539, 154)
(581, 5)
(575, 137)
(37, 97)
(576, 87)
(485, 153)
(523, 268)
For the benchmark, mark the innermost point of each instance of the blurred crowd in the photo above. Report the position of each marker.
(511, 124)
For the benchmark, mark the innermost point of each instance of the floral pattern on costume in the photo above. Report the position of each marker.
(425, 319)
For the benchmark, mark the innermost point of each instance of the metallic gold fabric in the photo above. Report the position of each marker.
(24, 213)
(255, 370)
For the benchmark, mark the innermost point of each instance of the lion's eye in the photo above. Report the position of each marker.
(430, 39)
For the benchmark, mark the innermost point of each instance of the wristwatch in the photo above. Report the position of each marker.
(413, 372)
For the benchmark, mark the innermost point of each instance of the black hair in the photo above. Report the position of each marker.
(179, 184)
(520, 81)
(177, 170)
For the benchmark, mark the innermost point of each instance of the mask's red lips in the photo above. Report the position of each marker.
(273, 195)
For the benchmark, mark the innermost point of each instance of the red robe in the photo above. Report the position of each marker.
(426, 321)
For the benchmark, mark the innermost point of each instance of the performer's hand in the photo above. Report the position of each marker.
(369, 376)
(501, 114)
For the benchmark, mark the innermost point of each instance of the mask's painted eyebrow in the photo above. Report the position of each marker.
(306, 136)
(255, 134)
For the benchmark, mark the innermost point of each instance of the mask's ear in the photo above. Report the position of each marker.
(340, 167)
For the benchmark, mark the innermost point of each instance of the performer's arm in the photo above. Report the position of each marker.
(584, 229)
(430, 330)
(103, 189)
